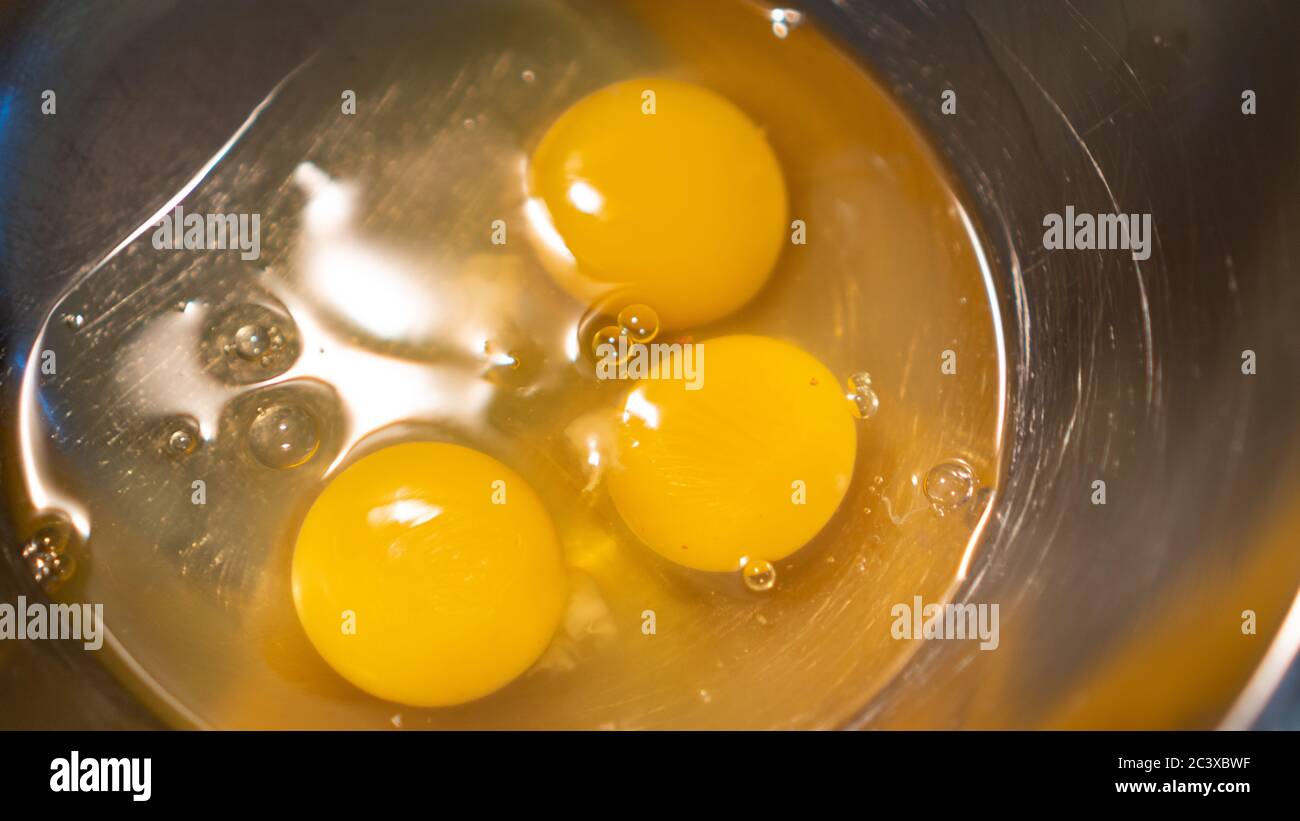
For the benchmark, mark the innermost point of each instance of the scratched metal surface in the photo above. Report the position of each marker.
(1124, 372)
(1127, 372)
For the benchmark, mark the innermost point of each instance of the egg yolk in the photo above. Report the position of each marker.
(749, 466)
(429, 574)
(659, 192)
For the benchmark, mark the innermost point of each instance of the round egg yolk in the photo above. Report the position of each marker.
(659, 192)
(750, 465)
(429, 574)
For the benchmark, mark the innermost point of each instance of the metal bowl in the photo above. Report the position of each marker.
(1130, 613)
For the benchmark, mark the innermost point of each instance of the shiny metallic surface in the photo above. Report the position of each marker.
(1126, 614)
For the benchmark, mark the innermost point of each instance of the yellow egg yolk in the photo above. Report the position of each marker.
(659, 192)
(429, 574)
(749, 466)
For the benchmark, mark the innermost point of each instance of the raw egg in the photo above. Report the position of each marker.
(659, 192)
(429, 574)
(747, 466)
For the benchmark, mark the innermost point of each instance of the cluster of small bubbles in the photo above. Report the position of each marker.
(74, 322)
(949, 485)
(181, 438)
(862, 397)
(254, 343)
(283, 436)
(599, 325)
(784, 21)
(759, 575)
(639, 322)
(46, 556)
(250, 343)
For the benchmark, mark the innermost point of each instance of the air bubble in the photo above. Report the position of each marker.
(528, 76)
(608, 335)
(599, 324)
(502, 367)
(52, 537)
(759, 575)
(182, 438)
(74, 322)
(949, 485)
(499, 358)
(639, 322)
(45, 554)
(862, 397)
(513, 360)
(283, 436)
(249, 343)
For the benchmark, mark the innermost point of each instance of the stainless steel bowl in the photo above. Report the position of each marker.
(1127, 614)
